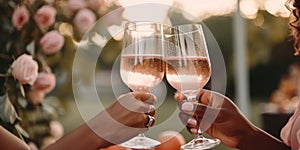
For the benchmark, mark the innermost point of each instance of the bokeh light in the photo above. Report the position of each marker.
(206, 8)
(277, 8)
(249, 8)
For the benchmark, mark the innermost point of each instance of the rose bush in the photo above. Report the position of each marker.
(39, 37)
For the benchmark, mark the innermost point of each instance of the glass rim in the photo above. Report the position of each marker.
(175, 30)
(130, 25)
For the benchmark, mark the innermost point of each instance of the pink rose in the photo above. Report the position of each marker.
(52, 42)
(84, 19)
(25, 69)
(35, 97)
(44, 82)
(75, 5)
(56, 129)
(45, 16)
(20, 17)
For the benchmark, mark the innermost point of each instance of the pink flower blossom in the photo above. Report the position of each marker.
(84, 19)
(25, 69)
(75, 5)
(44, 82)
(56, 129)
(20, 17)
(52, 42)
(35, 97)
(45, 16)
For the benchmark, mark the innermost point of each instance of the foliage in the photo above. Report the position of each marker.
(45, 31)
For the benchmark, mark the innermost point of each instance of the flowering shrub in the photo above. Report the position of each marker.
(35, 37)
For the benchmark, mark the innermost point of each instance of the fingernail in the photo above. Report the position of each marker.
(193, 130)
(187, 107)
(192, 121)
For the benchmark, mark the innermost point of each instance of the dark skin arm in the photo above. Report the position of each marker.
(10, 141)
(119, 122)
(230, 126)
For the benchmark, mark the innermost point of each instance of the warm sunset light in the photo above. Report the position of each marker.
(206, 8)
(277, 8)
(203, 9)
(249, 8)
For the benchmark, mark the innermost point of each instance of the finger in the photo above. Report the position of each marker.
(129, 102)
(193, 108)
(151, 110)
(188, 120)
(178, 96)
(192, 130)
(145, 97)
(205, 97)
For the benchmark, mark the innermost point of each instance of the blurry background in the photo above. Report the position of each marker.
(268, 53)
(253, 36)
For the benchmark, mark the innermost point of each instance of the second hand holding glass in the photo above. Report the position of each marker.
(188, 70)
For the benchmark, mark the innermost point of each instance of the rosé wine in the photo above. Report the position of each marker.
(188, 74)
(141, 73)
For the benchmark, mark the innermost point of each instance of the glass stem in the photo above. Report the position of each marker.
(199, 134)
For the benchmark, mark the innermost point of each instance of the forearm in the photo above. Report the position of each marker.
(81, 138)
(260, 140)
(10, 141)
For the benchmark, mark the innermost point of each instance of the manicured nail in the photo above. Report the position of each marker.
(192, 121)
(187, 107)
(193, 130)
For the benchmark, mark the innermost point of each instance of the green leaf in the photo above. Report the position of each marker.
(7, 110)
(21, 131)
(8, 46)
(22, 90)
(30, 48)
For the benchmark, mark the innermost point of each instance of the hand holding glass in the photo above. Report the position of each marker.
(188, 69)
(142, 65)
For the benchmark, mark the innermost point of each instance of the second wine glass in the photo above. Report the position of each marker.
(188, 70)
(142, 66)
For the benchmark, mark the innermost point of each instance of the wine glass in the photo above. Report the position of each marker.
(188, 69)
(142, 66)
